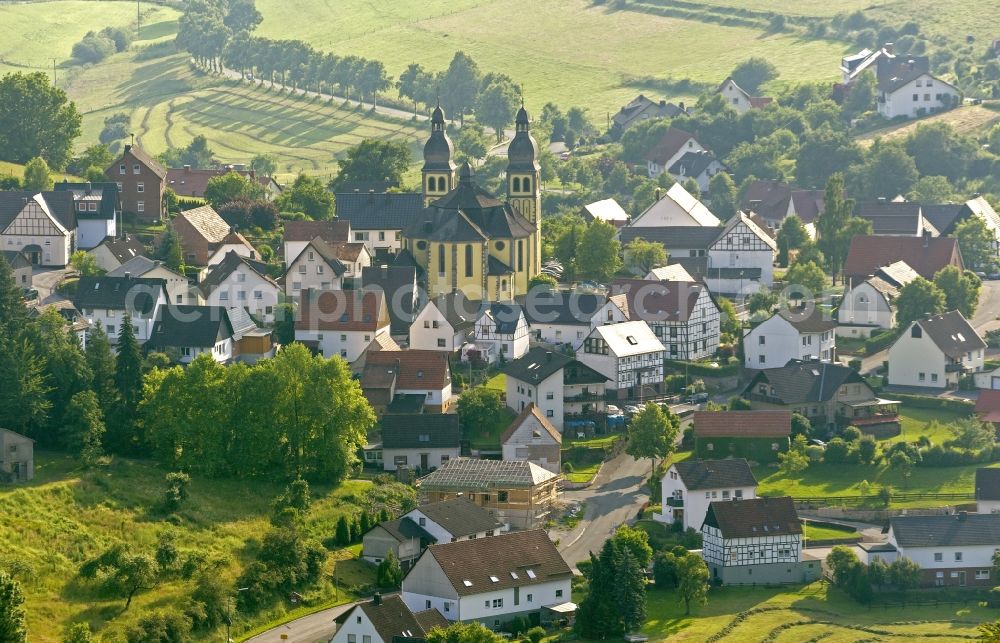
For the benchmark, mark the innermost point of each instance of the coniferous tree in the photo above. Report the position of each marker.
(128, 381)
(13, 314)
(101, 361)
(630, 590)
(83, 427)
(170, 251)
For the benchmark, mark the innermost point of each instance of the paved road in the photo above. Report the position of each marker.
(315, 628)
(986, 315)
(45, 280)
(614, 498)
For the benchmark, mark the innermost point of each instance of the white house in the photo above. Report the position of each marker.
(437, 522)
(556, 384)
(700, 166)
(385, 620)
(756, 541)
(683, 315)
(233, 242)
(672, 146)
(870, 304)
(421, 441)
(112, 253)
(532, 437)
(179, 289)
(935, 352)
(341, 323)
(105, 301)
(242, 282)
(987, 491)
(97, 211)
(741, 259)
(677, 207)
(41, 225)
(185, 332)
(378, 219)
(315, 268)
(913, 93)
(629, 355)
(298, 234)
(951, 550)
(690, 486)
(445, 323)
(607, 210)
(567, 317)
(491, 580)
(501, 331)
(790, 335)
(739, 99)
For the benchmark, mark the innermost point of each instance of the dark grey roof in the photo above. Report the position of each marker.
(891, 217)
(112, 293)
(987, 484)
(680, 237)
(537, 365)
(393, 620)
(896, 72)
(438, 150)
(560, 307)
(399, 283)
(715, 474)
(692, 164)
(469, 213)
(60, 204)
(506, 317)
(522, 153)
(577, 372)
(425, 430)
(406, 402)
(460, 516)
(405, 529)
(124, 249)
(233, 260)
(961, 530)
(385, 211)
(801, 382)
(496, 268)
(460, 312)
(815, 322)
(192, 326)
(108, 193)
(15, 258)
(952, 333)
(943, 216)
(754, 518)
(641, 105)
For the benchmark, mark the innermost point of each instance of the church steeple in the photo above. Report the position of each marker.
(439, 168)
(524, 176)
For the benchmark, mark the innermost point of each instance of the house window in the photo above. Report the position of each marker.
(441, 258)
(530, 598)
(223, 296)
(302, 269)
(725, 495)
(982, 574)
(738, 494)
(121, 170)
(774, 446)
(958, 556)
(441, 343)
(939, 579)
(559, 593)
(549, 413)
(136, 169)
(381, 235)
(916, 97)
(120, 186)
(468, 260)
(938, 557)
(934, 377)
(241, 277)
(399, 460)
(258, 295)
(241, 295)
(497, 603)
(111, 329)
(762, 358)
(921, 377)
(140, 206)
(296, 285)
(549, 396)
(319, 270)
(353, 638)
(447, 606)
(343, 338)
(140, 187)
(520, 255)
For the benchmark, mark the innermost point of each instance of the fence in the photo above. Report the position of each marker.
(833, 500)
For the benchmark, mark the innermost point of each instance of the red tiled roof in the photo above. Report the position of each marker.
(925, 255)
(191, 182)
(417, 369)
(330, 231)
(342, 310)
(670, 143)
(531, 409)
(743, 424)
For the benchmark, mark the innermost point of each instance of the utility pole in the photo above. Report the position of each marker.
(138, 19)
(54, 80)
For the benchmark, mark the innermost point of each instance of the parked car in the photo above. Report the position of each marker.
(616, 421)
(818, 443)
(613, 410)
(631, 410)
(696, 398)
(30, 294)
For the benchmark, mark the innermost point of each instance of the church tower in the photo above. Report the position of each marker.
(439, 169)
(524, 192)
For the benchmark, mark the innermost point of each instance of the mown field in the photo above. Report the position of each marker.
(65, 516)
(572, 52)
(810, 613)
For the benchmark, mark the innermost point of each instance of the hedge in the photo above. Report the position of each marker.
(701, 369)
(880, 341)
(938, 403)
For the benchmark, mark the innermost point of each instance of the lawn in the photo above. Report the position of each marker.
(624, 44)
(15, 169)
(37, 32)
(66, 516)
(827, 532)
(803, 613)
(917, 422)
(497, 383)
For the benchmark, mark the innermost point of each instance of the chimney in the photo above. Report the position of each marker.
(881, 200)
(187, 169)
(681, 105)
(128, 148)
(377, 599)
(128, 275)
(89, 188)
(962, 515)
(887, 47)
(548, 356)
(663, 103)
(657, 194)
(927, 238)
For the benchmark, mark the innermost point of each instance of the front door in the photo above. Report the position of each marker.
(423, 461)
(961, 579)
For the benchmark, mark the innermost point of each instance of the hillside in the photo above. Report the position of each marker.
(66, 516)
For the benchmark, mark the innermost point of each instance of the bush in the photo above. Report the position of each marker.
(535, 634)
(939, 403)
(93, 48)
(880, 341)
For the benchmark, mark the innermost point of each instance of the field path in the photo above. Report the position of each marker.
(968, 119)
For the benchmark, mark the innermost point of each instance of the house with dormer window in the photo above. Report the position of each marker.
(385, 620)
(690, 486)
(341, 323)
(491, 580)
(629, 355)
(241, 282)
(936, 352)
(105, 301)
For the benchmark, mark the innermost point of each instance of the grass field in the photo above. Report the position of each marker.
(37, 32)
(807, 613)
(15, 169)
(971, 120)
(917, 422)
(66, 516)
(572, 52)
(824, 532)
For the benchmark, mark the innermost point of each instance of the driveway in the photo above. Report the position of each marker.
(45, 280)
(986, 317)
(315, 628)
(614, 498)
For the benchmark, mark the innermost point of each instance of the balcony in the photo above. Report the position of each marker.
(767, 399)
(676, 503)
(954, 367)
(585, 397)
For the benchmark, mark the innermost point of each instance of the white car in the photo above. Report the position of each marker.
(613, 410)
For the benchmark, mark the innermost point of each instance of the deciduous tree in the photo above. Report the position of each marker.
(13, 622)
(976, 242)
(692, 581)
(642, 256)
(918, 299)
(232, 186)
(37, 176)
(754, 72)
(792, 235)
(653, 434)
(460, 85)
(961, 289)
(309, 196)
(598, 251)
(38, 120)
(373, 160)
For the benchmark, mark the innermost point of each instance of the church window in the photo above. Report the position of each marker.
(441, 184)
(441, 258)
(520, 255)
(527, 184)
(468, 260)
(517, 184)
(430, 183)
(500, 245)
(421, 245)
